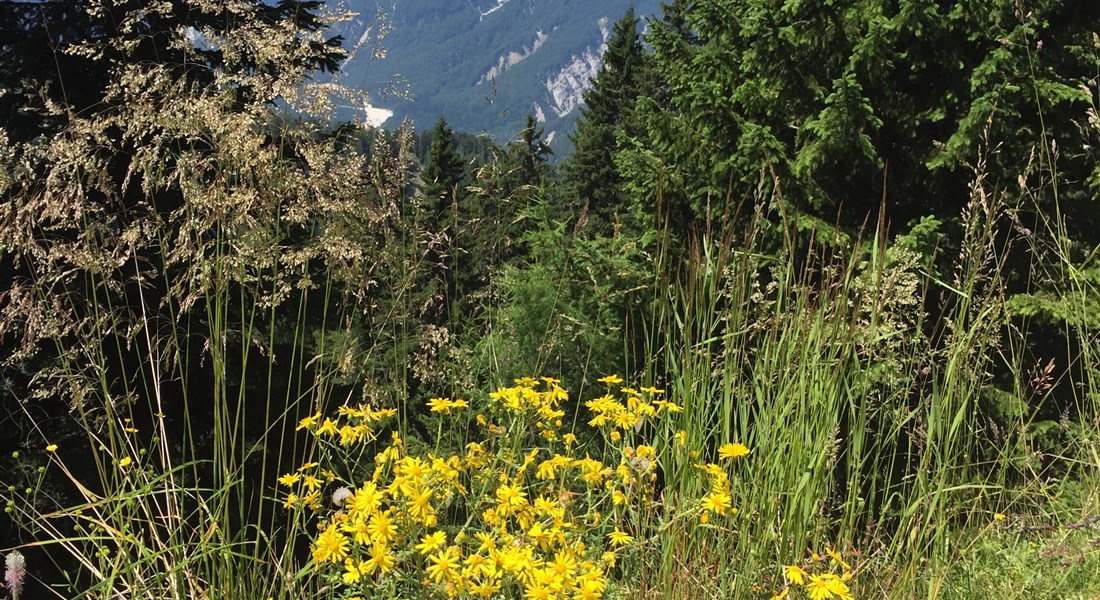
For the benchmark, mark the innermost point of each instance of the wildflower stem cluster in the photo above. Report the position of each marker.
(525, 509)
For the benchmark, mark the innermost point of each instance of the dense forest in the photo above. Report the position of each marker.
(811, 309)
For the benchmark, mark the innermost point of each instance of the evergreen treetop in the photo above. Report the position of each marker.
(444, 172)
(531, 152)
(591, 175)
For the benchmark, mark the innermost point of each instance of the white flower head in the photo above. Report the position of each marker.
(15, 572)
(340, 496)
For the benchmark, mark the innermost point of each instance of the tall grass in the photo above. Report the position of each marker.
(860, 375)
(169, 478)
(190, 279)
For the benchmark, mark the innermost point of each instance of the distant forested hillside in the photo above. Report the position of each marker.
(482, 64)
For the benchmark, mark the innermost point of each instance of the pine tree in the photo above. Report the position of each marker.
(444, 171)
(833, 97)
(591, 175)
(674, 19)
(531, 154)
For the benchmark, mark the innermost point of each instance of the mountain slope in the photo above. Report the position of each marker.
(484, 64)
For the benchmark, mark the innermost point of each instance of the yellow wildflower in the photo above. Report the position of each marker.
(443, 565)
(440, 405)
(717, 502)
(313, 500)
(381, 527)
(564, 566)
(591, 583)
(484, 589)
(510, 496)
(328, 427)
(732, 451)
(487, 543)
(839, 560)
(349, 435)
(380, 559)
(836, 586)
(818, 588)
(311, 483)
(431, 542)
(308, 422)
(359, 531)
(352, 574)
(420, 507)
(669, 406)
(331, 546)
(795, 574)
(619, 538)
(365, 501)
(537, 591)
(626, 419)
(540, 536)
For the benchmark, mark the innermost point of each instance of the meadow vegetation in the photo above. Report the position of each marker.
(788, 344)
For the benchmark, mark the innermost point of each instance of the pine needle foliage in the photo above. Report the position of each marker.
(830, 96)
(591, 174)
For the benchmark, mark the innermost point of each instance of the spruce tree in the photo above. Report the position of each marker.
(444, 171)
(674, 19)
(591, 175)
(440, 218)
(835, 98)
(531, 154)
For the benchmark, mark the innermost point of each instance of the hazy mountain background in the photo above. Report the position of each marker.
(482, 64)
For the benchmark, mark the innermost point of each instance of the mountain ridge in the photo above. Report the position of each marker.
(482, 65)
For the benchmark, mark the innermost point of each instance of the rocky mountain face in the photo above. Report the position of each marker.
(482, 64)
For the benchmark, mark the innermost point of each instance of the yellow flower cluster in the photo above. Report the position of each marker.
(357, 428)
(525, 401)
(611, 414)
(824, 585)
(445, 405)
(306, 486)
(718, 500)
(521, 512)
